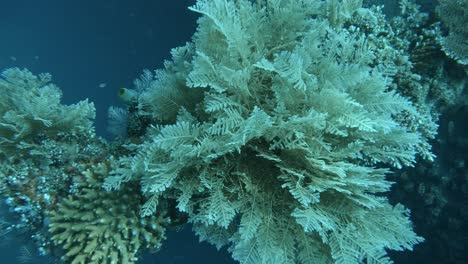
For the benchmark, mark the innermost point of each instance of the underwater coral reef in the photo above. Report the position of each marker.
(277, 133)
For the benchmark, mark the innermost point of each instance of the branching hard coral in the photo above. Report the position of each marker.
(94, 226)
(281, 154)
(43, 145)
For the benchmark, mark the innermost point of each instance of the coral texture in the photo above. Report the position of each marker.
(31, 110)
(454, 16)
(49, 151)
(94, 226)
(279, 150)
(272, 133)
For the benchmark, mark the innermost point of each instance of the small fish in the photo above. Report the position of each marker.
(13, 58)
(102, 85)
(127, 95)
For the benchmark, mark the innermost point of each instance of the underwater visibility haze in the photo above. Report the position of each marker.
(234, 131)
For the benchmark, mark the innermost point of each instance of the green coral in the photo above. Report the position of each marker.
(280, 152)
(93, 226)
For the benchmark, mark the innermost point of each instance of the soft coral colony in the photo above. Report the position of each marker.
(272, 133)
